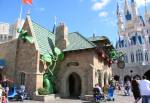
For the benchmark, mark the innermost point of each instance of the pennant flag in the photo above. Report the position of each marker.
(27, 2)
(117, 9)
(54, 27)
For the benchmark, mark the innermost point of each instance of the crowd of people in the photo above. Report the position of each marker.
(139, 87)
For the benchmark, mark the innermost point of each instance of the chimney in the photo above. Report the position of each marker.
(61, 38)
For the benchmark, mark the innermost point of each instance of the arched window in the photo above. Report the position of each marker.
(139, 55)
(146, 56)
(126, 58)
(132, 58)
(22, 78)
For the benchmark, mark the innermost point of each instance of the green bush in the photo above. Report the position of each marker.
(43, 91)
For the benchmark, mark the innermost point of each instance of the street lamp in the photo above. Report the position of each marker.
(131, 71)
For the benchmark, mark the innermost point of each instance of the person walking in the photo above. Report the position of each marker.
(135, 89)
(145, 89)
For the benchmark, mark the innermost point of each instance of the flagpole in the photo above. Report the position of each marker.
(20, 16)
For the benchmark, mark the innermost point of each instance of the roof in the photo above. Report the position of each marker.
(44, 38)
(98, 38)
(78, 42)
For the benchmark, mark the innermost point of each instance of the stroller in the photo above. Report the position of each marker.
(110, 96)
(98, 97)
(17, 94)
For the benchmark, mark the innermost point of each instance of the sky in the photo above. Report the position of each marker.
(84, 16)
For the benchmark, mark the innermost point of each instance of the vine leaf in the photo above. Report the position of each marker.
(57, 51)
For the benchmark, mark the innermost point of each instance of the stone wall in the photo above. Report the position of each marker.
(85, 58)
(28, 62)
(8, 53)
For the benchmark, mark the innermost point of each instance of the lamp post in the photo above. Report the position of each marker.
(131, 71)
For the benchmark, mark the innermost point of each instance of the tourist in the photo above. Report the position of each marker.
(1, 91)
(127, 87)
(135, 89)
(145, 89)
(99, 88)
(5, 86)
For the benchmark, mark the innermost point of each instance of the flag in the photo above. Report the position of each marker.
(27, 2)
(117, 9)
(54, 27)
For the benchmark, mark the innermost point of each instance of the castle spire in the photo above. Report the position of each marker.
(134, 8)
(146, 13)
(145, 8)
(127, 11)
(120, 21)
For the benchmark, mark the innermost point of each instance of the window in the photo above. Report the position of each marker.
(22, 78)
(146, 56)
(139, 56)
(132, 57)
(126, 58)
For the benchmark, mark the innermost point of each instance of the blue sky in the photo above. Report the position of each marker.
(84, 16)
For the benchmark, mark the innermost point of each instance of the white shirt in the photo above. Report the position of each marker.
(144, 87)
(100, 90)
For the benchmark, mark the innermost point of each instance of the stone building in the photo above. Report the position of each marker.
(8, 31)
(134, 41)
(85, 64)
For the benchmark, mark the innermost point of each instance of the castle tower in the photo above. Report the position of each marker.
(120, 22)
(127, 11)
(134, 9)
(61, 40)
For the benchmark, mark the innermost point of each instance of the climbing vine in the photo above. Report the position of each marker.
(23, 34)
(51, 59)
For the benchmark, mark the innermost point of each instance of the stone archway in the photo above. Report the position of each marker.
(147, 74)
(74, 85)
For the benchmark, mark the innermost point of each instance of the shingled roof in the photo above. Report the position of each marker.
(78, 42)
(46, 40)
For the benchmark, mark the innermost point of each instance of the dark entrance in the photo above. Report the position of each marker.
(147, 74)
(74, 85)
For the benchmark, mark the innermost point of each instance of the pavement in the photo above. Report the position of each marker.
(118, 99)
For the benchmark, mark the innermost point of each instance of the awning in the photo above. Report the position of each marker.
(2, 63)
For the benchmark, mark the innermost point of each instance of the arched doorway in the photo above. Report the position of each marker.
(147, 74)
(116, 77)
(127, 78)
(74, 85)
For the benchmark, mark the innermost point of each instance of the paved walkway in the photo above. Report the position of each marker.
(118, 99)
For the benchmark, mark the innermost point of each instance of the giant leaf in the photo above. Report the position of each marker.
(57, 51)
(46, 58)
(29, 38)
(61, 56)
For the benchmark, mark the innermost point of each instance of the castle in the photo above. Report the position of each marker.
(134, 41)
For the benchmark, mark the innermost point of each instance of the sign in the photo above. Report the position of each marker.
(121, 64)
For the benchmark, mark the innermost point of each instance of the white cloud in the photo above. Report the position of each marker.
(98, 5)
(103, 14)
(142, 3)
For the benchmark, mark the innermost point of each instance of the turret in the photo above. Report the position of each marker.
(120, 21)
(134, 9)
(127, 11)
